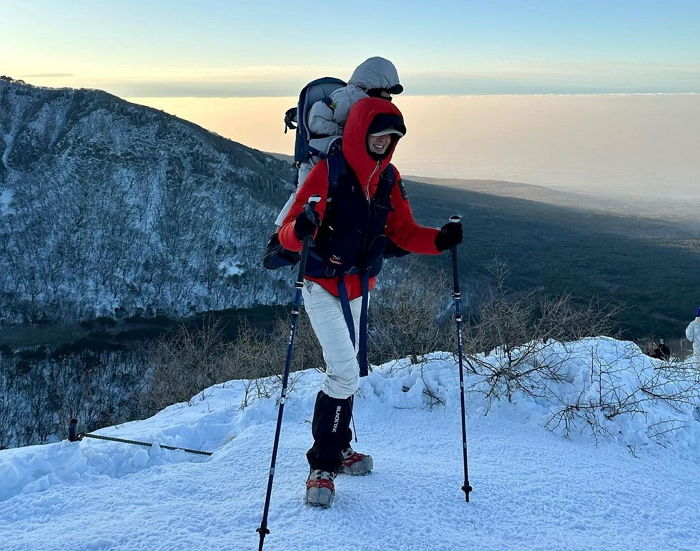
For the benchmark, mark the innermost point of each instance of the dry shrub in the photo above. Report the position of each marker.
(411, 317)
(516, 326)
(183, 365)
(192, 360)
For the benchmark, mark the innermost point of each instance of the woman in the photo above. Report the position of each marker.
(369, 207)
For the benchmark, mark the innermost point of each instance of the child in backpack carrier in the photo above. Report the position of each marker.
(325, 118)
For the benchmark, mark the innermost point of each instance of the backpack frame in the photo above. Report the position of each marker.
(307, 144)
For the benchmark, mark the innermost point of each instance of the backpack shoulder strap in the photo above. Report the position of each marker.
(389, 174)
(386, 183)
(336, 166)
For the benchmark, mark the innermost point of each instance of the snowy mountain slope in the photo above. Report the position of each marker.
(109, 206)
(533, 490)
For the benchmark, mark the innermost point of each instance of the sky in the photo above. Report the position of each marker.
(235, 66)
(219, 48)
(634, 485)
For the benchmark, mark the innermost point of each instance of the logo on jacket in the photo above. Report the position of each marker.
(335, 259)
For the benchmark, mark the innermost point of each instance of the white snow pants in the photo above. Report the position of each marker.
(326, 315)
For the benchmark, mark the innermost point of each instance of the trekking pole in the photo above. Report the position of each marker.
(308, 208)
(466, 488)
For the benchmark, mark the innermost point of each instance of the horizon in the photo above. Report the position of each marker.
(560, 141)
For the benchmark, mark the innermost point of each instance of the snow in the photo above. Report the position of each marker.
(5, 201)
(533, 489)
(231, 267)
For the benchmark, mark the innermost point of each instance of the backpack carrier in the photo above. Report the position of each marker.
(307, 144)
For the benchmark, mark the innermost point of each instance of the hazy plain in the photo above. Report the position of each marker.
(630, 146)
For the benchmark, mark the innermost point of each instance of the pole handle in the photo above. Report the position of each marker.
(309, 208)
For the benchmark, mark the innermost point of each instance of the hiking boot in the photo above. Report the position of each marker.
(354, 463)
(320, 489)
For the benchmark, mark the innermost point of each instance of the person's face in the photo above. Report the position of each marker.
(378, 144)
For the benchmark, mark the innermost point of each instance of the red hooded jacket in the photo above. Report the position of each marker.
(401, 227)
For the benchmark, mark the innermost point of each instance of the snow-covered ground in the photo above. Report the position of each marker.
(533, 489)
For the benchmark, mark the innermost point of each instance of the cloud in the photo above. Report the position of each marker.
(49, 75)
(217, 82)
(505, 77)
(420, 85)
(547, 78)
(155, 89)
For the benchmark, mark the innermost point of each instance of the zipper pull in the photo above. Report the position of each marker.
(379, 164)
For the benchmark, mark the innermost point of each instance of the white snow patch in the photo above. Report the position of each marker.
(6, 196)
(231, 267)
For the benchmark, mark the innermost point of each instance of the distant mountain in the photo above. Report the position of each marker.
(109, 207)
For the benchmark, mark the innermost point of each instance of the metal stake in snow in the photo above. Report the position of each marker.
(466, 488)
(309, 207)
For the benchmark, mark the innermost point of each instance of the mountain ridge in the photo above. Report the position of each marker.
(158, 207)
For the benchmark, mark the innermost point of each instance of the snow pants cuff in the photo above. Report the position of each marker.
(331, 431)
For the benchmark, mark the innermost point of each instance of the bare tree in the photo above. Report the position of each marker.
(410, 318)
(9, 405)
(624, 384)
(508, 331)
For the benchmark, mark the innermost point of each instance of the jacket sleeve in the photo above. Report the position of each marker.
(343, 100)
(321, 120)
(402, 228)
(315, 184)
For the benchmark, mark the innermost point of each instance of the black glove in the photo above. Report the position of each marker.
(451, 234)
(306, 223)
